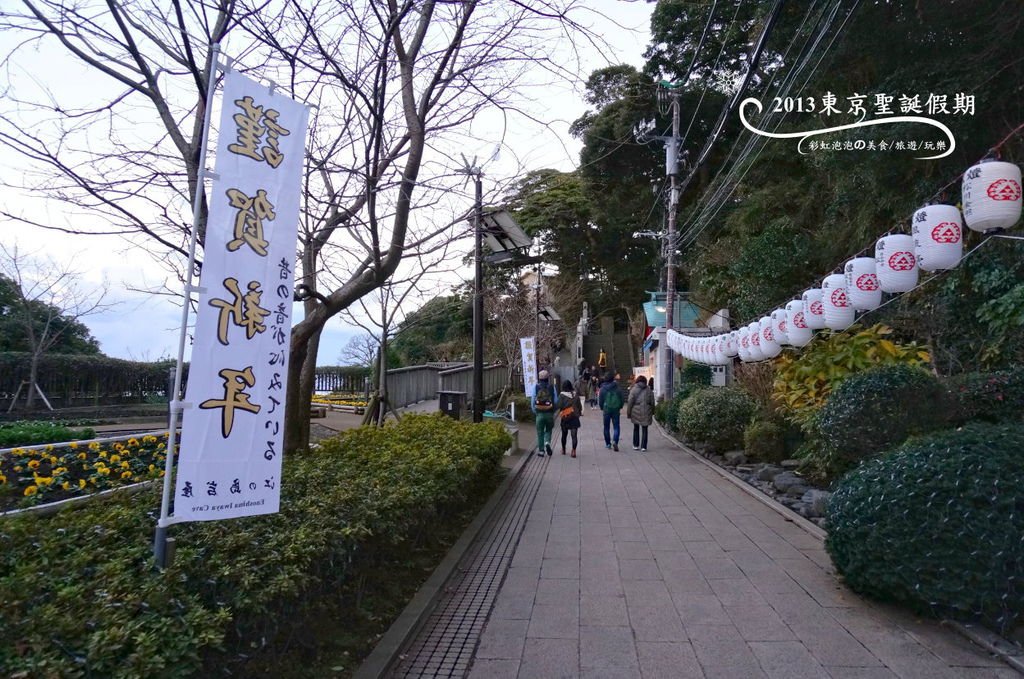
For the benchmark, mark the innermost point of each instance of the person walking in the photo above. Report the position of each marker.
(595, 386)
(570, 410)
(640, 411)
(610, 402)
(542, 402)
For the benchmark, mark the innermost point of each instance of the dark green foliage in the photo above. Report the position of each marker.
(79, 597)
(693, 377)
(872, 411)
(665, 412)
(30, 433)
(440, 329)
(938, 525)
(523, 412)
(70, 379)
(71, 336)
(716, 415)
(993, 397)
(764, 441)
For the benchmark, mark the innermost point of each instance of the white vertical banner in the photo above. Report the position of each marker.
(232, 431)
(527, 349)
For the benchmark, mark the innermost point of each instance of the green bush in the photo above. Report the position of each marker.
(665, 412)
(992, 397)
(873, 411)
(79, 597)
(717, 416)
(14, 434)
(523, 412)
(938, 525)
(694, 376)
(764, 441)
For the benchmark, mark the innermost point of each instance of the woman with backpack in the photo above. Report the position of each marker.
(542, 402)
(570, 410)
(640, 411)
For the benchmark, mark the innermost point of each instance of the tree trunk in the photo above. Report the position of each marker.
(301, 383)
(33, 375)
(382, 380)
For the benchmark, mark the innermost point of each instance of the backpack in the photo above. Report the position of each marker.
(542, 399)
(565, 406)
(613, 399)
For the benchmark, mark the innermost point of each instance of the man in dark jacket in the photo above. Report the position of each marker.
(611, 401)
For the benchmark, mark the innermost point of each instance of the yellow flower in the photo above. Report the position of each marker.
(125, 465)
(103, 471)
(59, 470)
(114, 459)
(30, 491)
(94, 445)
(66, 485)
(149, 438)
(82, 456)
(93, 480)
(73, 446)
(17, 451)
(126, 475)
(133, 442)
(152, 468)
(33, 464)
(81, 484)
(42, 480)
(3, 480)
(49, 448)
(53, 460)
(161, 472)
(18, 468)
(103, 454)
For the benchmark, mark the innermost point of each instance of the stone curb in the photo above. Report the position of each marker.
(416, 612)
(985, 638)
(784, 511)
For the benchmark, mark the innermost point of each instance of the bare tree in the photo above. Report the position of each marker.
(361, 350)
(49, 298)
(396, 83)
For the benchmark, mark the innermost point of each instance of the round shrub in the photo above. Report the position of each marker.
(764, 441)
(665, 413)
(876, 410)
(992, 397)
(938, 525)
(717, 415)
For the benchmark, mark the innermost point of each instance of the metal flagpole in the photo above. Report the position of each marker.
(176, 406)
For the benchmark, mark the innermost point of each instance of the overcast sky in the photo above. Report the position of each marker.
(145, 327)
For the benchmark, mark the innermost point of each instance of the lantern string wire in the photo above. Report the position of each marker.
(866, 249)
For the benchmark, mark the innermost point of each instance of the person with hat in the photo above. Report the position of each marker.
(542, 402)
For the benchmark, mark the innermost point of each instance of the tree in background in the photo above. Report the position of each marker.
(360, 350)
(42, 303)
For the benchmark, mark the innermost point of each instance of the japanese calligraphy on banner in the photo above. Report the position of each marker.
(230, 460)
(526, 344)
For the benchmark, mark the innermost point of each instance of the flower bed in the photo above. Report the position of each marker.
(237, 590)
(32, 476)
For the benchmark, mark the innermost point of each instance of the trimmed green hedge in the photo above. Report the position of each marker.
(716, 415)
(992, 397)
(32, 433)
(873, 411)
(764, 441)
(79, 597)
(938, 525)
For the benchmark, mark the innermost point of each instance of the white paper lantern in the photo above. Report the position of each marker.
(731, 350)
(992, 197)
(862, 284)
(814, 309)
(769, 345)
(779, 326)
(722, 358)
(743, 344)
(756, 354)
(895, 263)
(938, 237)
(796, 324)
(838, 312)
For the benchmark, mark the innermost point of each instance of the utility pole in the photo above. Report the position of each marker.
(668, 95)
(536, 299)
(672, 169)
(472, 170)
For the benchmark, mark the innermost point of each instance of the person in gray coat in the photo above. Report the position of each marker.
(640, 411)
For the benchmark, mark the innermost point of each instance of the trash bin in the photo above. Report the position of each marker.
(452, 403)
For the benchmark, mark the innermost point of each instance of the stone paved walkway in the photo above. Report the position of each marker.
(652, 565)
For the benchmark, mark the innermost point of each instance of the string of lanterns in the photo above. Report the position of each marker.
(991, 192)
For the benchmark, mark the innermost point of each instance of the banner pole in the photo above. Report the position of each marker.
(176, 406)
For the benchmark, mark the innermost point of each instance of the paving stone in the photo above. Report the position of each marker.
(563, 592)
(484, 668)
(700, 609)
(721, 646)
(550, 658)
(759, 623)
(503, 639)
(633, 550)
(639, 569)
(561, 550)
(560, 568)
(554, 622)
(603, 609)
(655, 622)
(512, 605)
(786, 660)
(607, 648)
(668, 660)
